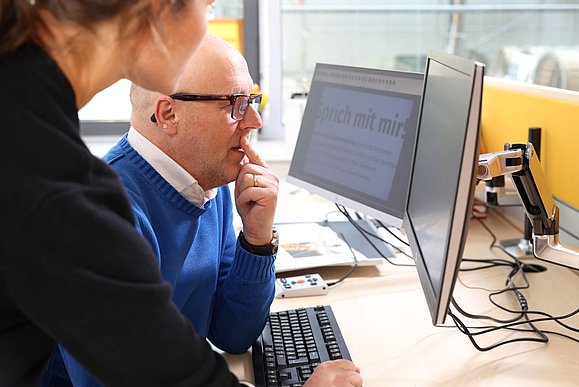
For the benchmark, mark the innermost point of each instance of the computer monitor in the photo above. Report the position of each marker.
(356, 139)
(443, 176)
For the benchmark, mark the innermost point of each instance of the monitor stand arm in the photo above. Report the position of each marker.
(522, 163)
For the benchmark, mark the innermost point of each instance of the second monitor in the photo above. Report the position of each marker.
(356, 139)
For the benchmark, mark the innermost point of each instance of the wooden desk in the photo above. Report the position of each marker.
(385, 321)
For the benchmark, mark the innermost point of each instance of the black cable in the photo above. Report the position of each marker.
(465, 330)
(521, 316)
(548, 317)
(546, 332)
(513, 322)
(351, 269)
(365, 234)
(492, 234)
(517, 267)
(524, 330)
(524, 306)
(489, 263)
(392, 233)
(555, 319)
(488, 329)
(493, 244)
(485, 317)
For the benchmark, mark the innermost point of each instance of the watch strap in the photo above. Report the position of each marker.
(263, 250)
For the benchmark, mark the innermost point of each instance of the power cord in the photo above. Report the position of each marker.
(351, 269)
(392, 233)
(521, 316)
(466, 331)
(366, 234)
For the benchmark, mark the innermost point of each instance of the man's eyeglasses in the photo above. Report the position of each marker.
(239, 102)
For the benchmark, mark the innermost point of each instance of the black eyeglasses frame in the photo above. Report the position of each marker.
(215, 97)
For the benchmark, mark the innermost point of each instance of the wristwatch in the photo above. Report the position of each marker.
(267, 249)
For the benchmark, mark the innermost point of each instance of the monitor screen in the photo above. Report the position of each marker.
(356, 139)
(443, 174)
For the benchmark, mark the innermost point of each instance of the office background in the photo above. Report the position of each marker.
(533, 41)
(522, 43)
(529, 41)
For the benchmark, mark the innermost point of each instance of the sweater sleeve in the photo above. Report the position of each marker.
(98, 292)
(245, 291)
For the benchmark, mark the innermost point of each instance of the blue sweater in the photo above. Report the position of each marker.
(224, 290)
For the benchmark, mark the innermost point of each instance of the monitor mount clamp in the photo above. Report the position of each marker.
(522, 163)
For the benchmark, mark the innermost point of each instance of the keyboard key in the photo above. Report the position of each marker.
(314, 356)
(298, 361)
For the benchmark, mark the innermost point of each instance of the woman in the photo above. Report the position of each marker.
(73, 270)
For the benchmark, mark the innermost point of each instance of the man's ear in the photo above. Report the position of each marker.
(166, 115)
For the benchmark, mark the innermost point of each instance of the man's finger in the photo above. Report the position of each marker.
(251, 154)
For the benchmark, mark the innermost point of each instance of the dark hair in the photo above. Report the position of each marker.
(16, 20)
(19, 21)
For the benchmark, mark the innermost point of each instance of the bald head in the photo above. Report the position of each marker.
(204, 73)
(214, 59)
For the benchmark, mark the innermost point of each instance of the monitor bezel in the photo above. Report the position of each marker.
(388, 218)
(460, 217)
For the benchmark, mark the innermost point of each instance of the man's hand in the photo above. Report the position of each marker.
(256, 191)
(336, 373)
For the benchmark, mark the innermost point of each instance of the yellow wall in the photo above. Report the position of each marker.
(230, 30)
(510, 108)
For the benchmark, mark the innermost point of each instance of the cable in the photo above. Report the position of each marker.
(465, 330)
(524, 306)
(491, 263)
(484, 317)
(351, 269)
(473, 287)
(488, 329)
(524, 330)
(517, 267)
(365, 234)
(555, 319)
(493, 244)
(392, 233)
(548, 317)
(521, 316)
(546, 332)
(507, 220)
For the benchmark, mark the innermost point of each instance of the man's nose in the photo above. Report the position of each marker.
(251, 120)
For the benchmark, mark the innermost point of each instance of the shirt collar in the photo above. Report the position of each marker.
(170, 170)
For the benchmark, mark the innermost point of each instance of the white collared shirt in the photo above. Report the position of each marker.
(175, 175)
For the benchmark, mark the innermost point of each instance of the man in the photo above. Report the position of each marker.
(175, 162)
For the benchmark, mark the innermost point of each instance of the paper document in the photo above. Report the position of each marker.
(306, 245)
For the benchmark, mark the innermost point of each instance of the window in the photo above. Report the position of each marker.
(525, 40)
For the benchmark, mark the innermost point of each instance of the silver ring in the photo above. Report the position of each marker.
(255, 181)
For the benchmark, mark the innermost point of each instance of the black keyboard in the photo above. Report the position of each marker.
(293, 343)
